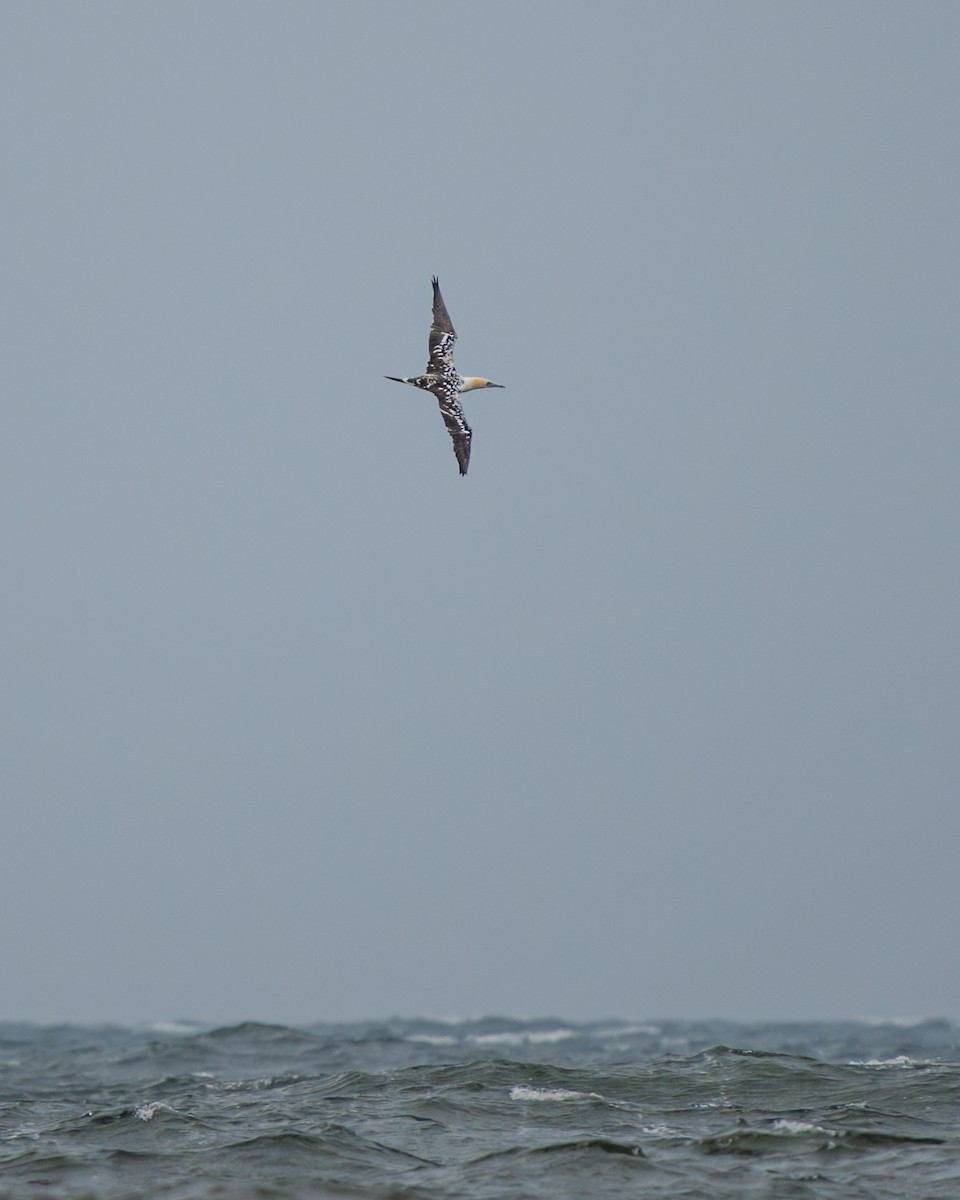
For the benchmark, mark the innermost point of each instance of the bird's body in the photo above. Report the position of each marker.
(444, 381)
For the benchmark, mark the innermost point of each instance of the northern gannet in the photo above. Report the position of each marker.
(445, 382)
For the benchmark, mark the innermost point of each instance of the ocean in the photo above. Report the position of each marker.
(491, 1108)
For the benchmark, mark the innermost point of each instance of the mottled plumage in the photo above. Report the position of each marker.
(444, 381)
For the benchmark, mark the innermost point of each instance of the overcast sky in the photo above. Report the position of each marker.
(656, 712)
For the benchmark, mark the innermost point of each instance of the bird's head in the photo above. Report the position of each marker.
(471, 382)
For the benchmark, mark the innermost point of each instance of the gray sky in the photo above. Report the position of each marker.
(656, 712)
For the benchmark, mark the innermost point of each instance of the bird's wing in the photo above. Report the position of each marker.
(442, 334)
(448, 397)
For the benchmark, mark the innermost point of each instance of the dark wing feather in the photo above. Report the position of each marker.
(460, 432)
(448, 398)
(442, 334)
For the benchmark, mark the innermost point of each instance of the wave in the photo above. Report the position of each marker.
(522, 1091)
(520, 1037)
(485, 1108)
(579, 1146)
(784, 1135)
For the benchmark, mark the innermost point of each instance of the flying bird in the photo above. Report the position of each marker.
(444, 381)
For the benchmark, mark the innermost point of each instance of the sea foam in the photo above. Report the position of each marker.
(522, 1091)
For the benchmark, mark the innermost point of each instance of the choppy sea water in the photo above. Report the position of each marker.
(493, 1108)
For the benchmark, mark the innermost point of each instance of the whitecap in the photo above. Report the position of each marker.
(146, 1112)
(522, 1091)
(497, 1039)
(627, 1031)
(902, 1060)
(176, 1028)
(533, 1036)
(433, 1039)
(897, 1022)
(785, 1125)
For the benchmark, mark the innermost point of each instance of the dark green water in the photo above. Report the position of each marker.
(489, 1108)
